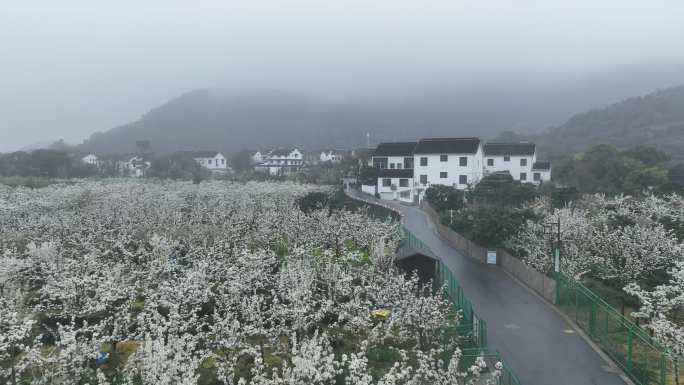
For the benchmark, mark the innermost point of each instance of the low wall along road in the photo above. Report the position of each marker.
(540, 283)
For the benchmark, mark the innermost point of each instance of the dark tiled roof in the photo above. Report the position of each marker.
(395, 173)
(541, 165)
(395, 149)
(203, 154)
(281, 152)
(510, 148)
(447, 146)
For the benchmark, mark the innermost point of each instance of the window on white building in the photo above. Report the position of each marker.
(463, 179)
(507, 158)
(209, 161)
(523, 161)
(386, 182)
(490, 162)
(380, 162)
(463, 161)
(398, 165)
(523, 176)
(536, 176)
(391, 165)
(408, 162)
(403, 182)
(443, 174)
(443, 158)
(423, 179)
(423, 160)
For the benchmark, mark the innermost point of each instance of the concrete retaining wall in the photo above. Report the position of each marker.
(540, 283)
(543, 285)
(457, 241)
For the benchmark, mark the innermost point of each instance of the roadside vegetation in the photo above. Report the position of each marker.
(621, 236)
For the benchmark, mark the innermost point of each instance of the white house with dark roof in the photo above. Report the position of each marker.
(280, 161)
(518, 159)
(515, 158)
(395, 175)
(213, 160)
(407, 169)
(455, 162)
(396, 155)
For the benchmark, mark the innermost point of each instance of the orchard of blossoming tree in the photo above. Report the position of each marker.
(632, 244)
(129, 282)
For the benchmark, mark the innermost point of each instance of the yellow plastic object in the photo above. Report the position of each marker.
(381, 314)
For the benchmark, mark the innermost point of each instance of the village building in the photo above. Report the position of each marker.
(455, 162)
(281, 161)
(90, 159)
(212, 160)
(137, 166)
(332, 156)
(407, 169)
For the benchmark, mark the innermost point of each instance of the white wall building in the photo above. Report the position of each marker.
(333, 156)
(455, 162)
(90, 159)
(518, 159)
(515, 158)
(541, 171)
(281, 161)
(407, 169)
(258, 156)
(213, 160)
(395, 177)
(396, 184)
(137, 166)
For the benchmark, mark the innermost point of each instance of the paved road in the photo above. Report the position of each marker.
(536, 341)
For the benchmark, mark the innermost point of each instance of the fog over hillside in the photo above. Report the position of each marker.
(230, 120)
(76, 67)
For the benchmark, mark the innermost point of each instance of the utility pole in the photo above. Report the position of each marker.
(549, 229)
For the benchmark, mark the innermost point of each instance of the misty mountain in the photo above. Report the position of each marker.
(655, 119)
(232, 120)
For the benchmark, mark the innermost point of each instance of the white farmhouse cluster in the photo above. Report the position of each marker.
(121, 165)
(279, 161)
(332, 156)
(137, 165)
(407, 169)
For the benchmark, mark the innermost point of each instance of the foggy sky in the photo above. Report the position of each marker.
(69, 68)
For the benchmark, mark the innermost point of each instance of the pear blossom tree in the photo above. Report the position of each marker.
(620, 239)
(152, 282)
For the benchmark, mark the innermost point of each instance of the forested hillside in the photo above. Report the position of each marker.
(230, 121)
(655, 119)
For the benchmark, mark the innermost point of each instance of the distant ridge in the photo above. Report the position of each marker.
(655, 119)
(228, 121)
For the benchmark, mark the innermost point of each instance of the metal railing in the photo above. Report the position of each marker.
(472, 328)
(643, 360)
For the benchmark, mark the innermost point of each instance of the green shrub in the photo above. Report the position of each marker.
(445, 197)
(489, 226)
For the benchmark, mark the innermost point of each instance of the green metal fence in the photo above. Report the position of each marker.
(645, 361)
(472, 328)
(409, 241)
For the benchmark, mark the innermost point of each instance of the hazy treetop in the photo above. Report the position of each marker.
(76, 66)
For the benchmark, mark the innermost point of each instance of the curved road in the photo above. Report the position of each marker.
(537, 343)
